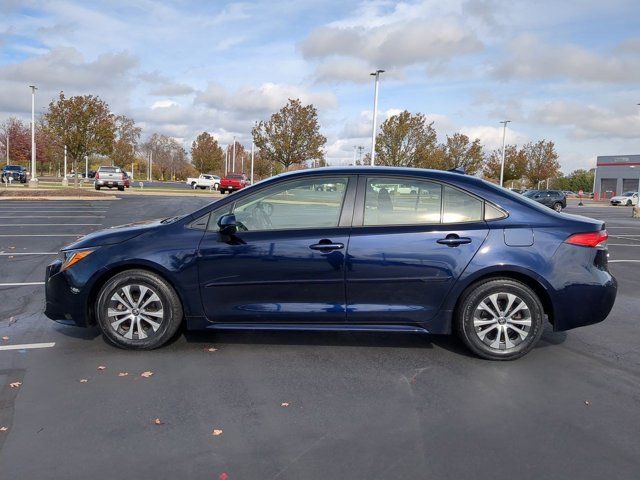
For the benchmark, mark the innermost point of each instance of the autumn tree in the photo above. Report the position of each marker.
(459, 152)
(291, 136)
(515, 164)
(405, 140)
(19, 139)
(169, 158)
(577, 180)
(125, 143)
(206, 154)
(84, 124)
(542, 161)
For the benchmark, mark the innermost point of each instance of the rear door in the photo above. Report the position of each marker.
(410, 241)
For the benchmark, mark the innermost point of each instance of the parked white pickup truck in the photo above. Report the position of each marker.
(204, 181)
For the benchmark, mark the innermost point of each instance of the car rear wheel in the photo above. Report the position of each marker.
(97, 187)
(500, 319)
(137, 309)
(629, 203)
(557, 207)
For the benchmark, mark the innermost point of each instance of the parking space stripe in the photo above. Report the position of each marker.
(3, 254)
(48, 224)
(26, 346)
(621, 261)
(623, 245)
(53, 216)
(44, 235)
(25, 284)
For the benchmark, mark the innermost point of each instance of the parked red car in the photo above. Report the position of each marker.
(233, 182)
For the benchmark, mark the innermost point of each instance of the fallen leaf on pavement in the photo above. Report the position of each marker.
(224, 476)
(123, 374)
(12, 320)
(12, 248)
(212, 349)
(5, 338)
(217, 432)
(146, 374)
(284, 404)
(587, 403)
(101, 367)
(15, 384)
(83, 380)
(157, 421)
(3, 429)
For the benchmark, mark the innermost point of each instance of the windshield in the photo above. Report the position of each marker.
(13, 167)
(109, 169)
(628, 194)
(235, 177)
(530, 193)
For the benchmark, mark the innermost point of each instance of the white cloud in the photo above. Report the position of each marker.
(491, 137)
(163, 104)
(530, 58)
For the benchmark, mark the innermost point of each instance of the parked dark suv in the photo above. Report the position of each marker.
(555, 199)
(16, 172)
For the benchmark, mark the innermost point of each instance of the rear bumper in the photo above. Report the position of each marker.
(110, 183)
(64, 302)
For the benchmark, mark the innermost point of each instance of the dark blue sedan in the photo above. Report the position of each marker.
(366, 249)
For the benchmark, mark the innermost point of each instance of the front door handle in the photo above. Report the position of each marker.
(454, 240)
(325, 245)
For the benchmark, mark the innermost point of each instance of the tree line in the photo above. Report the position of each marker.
(289, 139)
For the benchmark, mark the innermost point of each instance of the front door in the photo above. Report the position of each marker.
(286, 262)
(415, 239)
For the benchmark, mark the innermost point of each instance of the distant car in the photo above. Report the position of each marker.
(92, 174)
(519, 191)
(204, 181)
(627, 198)
(110, 177)
(233, 182)
(16, 173)
(569, 193)
(555, 199)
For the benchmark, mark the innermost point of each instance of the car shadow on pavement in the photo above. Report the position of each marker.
(81, 333)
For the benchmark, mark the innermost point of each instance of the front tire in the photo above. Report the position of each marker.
(557, 207)
(139, 310)
(629, 203)
(97, 187)
(500, 319)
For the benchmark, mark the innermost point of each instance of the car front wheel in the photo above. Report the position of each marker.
(500, 319)
(137, 309)
(557, 207)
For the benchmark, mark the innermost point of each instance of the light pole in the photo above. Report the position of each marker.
(252, 153)
(226, 160)
(34, 181)
(375, 114)
(504, 135)
(65, 181)
(7, 145)
(234, 154)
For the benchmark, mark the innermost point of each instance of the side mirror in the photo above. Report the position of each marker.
(227, 224)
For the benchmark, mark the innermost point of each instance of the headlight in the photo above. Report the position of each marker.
(71, 257)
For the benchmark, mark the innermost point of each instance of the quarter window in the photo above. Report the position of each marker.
(314, 202)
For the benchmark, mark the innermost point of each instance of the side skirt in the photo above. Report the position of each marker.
(317, 327)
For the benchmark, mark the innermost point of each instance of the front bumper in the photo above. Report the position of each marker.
(65, 303)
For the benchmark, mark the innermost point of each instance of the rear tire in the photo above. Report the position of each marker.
(557, 207)
(500, 319)
(223, 191)
(97, 187)
(156, 305)
(629, 203)
(121, 189)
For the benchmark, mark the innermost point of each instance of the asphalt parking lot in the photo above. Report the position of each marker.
(304, 405)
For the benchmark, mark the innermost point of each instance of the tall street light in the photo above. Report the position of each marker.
(34, 181)
(504, 135)
(375, 114)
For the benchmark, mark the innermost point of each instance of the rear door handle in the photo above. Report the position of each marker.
(326, 246)
(454, 240)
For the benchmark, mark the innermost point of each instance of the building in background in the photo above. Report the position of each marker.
(616, 174)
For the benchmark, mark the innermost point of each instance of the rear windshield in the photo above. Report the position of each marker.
(628, 194)
(530, 193)
(13, 168)
(235, 177)
(110, 169)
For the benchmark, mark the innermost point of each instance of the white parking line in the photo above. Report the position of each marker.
(46, 235)
(622, 245)
(3, 254)
(48, 224)
(26, 284)
(619, 261)
(26, 346)
(53, 216)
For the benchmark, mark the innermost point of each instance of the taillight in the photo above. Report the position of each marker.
(588, 239)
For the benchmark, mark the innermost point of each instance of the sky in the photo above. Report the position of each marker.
(563, 71)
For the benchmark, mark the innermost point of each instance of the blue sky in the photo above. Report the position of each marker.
(564, 71)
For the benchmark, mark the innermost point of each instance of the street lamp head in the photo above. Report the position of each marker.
(376, 73)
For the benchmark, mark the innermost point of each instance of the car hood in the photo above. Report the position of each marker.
(113, 235)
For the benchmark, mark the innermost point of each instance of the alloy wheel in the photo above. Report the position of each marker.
(502, 320)
(135, 311)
